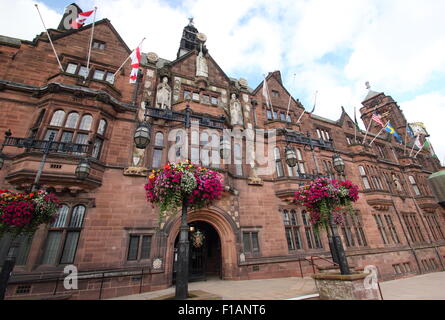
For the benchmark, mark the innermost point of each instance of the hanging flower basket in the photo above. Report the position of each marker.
(167, 187)
(22, 213)
(324, 198)
(198, 239)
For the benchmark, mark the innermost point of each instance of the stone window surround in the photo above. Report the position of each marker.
(138, 232)
(295, 228)
(250, 230)
(91, 73)
(201, 93)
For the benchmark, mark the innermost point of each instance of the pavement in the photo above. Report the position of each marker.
(424, 287)
(264, 289)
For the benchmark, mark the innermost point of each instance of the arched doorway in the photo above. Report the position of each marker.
(205, 258)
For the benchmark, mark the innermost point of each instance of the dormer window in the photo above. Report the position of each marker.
(275, 93)
(71, 68)
(99, 74)
(98, 45)
(83, 72)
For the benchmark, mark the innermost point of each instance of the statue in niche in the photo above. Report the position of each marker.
(236, 115)
(397, 183)
(202, 69)
(163, 95)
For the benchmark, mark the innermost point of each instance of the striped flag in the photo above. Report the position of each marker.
(135, 61)
(81, 18)
(378, 119)
(389, 128)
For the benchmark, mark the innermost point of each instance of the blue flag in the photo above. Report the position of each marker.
(391, 130)
(409, 131)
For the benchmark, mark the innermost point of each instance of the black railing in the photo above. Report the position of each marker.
(304, 140)
(169, 115)
(60, 147)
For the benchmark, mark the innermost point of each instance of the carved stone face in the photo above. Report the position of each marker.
(164, 80)
(233, 96)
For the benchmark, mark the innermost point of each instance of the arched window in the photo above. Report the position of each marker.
(157, 150)
(77, 216)
(61, 217)
(159, 139)
(85, 123)
(215, 150)
(102, 127)
(57, 119)
(71, 121)
(278, 164)
(364, 177)
(62, 239)
(414, 185)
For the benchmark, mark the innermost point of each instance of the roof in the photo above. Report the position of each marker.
(371, 94)
(10, 41)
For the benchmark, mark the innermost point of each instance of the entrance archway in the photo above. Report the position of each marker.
(204, 256)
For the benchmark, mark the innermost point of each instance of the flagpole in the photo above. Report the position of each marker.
(419, 151)
(290, 98)
(49, 37)
(406, 134)
(355, 126)
(378, 134)
(114, 75)
(410, 154)
(301, 116)
(91, 44)
(367, 130)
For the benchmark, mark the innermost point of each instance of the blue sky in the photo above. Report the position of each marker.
(333, 47)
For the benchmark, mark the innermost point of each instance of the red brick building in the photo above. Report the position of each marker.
(112, 235)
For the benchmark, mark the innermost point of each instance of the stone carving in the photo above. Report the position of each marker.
(236, 115)
(176, 89)
(136, 171)
(163, 95)
(397, 183)
(202, 69)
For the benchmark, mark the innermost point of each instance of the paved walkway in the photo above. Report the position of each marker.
(264, 289)
(424, 287)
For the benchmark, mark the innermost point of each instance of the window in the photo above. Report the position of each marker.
(392, 229)
(195, 96)
(413, 227)
(187, 95)
(98, 74)
(102, 127)
(269, 114)
(157, 150)
(282, 116)
(414, 185)
(83, 72)
(214, 100)
(58, 118)
(364, 178)
(71, 121)
(275, 93)
(323, 134)
(250, 243)
(381, 151)
(348, 141)
(71, 68)
(289, 119)
(204, 153)
(85, 123)
(63, 236)
(97, 147)
(21, 252)
(434, 226)
(110, 77)
(98, 45)
(292, 230)
(278, 164)
(353, 231)
(238, 155)
(312, 237)
(139, 247)
(49, 133)
(205, 99)
(275, 115)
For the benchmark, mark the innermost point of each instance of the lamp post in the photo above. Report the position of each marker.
(82, 172)
(337, 250)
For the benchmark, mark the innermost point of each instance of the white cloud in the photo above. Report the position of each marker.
(429, 109)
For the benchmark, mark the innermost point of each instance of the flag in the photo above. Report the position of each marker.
(265, 93)
(378, 119)
(417, 142)
(356, 122)
(427, 145)
(389, 128)
(81, 18)
(135, 61)
(409, 131)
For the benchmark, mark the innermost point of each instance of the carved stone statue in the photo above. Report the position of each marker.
(397, 183)
(202, 69)
(236, 113)
(163, 95)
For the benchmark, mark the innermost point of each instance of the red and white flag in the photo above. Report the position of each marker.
(135, 61)
(81, 18)
(378, 119)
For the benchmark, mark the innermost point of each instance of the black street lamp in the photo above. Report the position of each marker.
(335, 244)
(83, 169)
(142, 135)
(291, 157)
